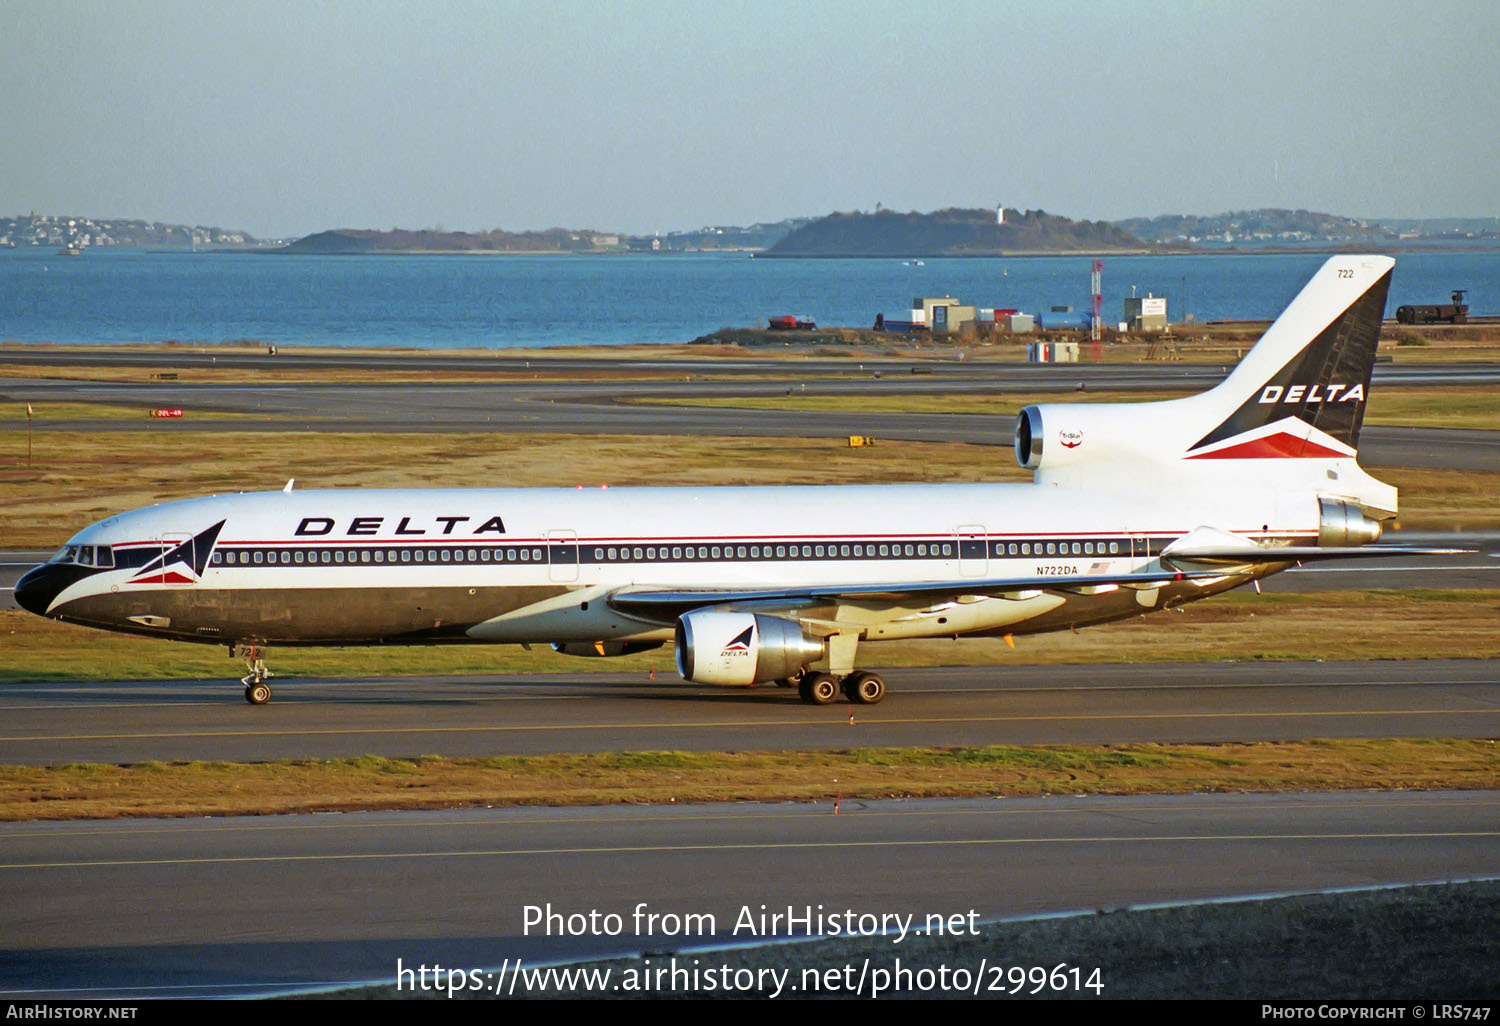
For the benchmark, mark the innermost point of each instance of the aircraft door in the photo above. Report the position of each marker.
(562, 556)
(172, 573)
(973, 550)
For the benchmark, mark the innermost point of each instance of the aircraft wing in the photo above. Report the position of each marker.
(665, 604)
(1260, 554)
(668, 604)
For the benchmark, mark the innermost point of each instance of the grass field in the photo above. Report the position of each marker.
(97, 791)
(76, 478)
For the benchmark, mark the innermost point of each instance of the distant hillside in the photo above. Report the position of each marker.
(952, 232)
(83, 232)
(1267, 227)
(719, 237)
(432, 240)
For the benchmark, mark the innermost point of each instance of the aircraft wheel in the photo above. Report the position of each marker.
(788, 682)
(818, 688)
(864, 688)
(258, 693)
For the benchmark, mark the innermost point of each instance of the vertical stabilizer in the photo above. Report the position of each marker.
(1301, 391)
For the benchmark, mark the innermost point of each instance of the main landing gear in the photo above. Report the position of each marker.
(257, 691)
(824, 688)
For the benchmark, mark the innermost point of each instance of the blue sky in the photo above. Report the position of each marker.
(283, 118)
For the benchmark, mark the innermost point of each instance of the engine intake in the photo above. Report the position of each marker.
(722, 647)
(1029, 438)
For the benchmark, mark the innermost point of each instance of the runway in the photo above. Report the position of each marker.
(238, 907)
(136, 721)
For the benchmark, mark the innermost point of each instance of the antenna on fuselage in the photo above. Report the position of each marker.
(289, 482)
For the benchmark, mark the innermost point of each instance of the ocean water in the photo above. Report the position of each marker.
(111, 296)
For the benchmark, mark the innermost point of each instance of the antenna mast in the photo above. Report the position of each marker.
(1094, 321)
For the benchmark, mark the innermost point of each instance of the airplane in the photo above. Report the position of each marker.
(1133, 507)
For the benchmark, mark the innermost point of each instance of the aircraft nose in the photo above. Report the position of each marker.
(36, 590)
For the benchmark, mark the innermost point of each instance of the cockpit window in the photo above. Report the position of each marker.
(85, 555)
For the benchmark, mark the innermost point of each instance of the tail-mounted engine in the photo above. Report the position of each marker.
(1340, 523)
(720, 647)
(1029, 438)
(1059, 435)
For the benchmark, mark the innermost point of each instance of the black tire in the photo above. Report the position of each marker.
(818, 688)
(864, 688)
(258, 693)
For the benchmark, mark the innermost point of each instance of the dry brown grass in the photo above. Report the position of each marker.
(78, 478)
(96, 791)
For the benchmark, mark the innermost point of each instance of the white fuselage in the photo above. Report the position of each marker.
(538, 565)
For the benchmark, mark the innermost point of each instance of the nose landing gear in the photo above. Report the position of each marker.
(257, 691)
